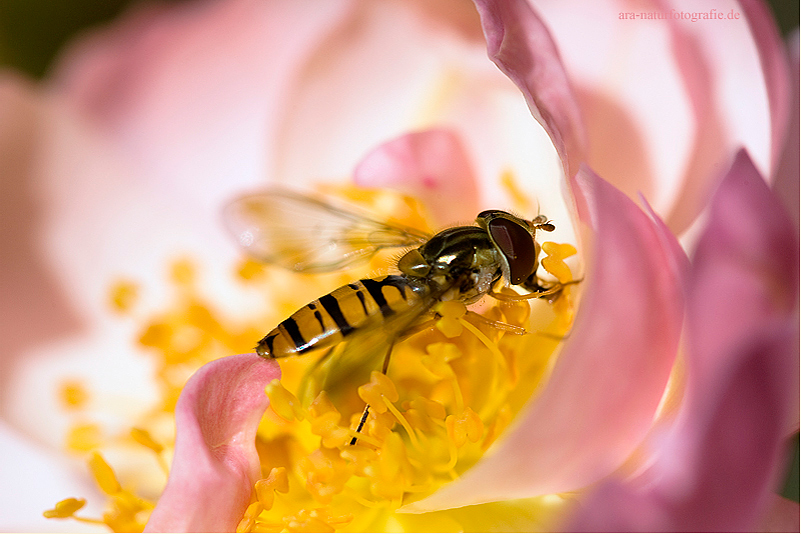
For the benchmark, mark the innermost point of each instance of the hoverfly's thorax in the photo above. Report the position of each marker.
(461, 259)
(414, 264)
(459, 249)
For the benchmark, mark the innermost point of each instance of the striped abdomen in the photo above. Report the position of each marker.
(333, 317)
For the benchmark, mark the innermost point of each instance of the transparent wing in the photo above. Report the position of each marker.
(308, 235)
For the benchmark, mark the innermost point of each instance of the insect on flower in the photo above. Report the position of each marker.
(364, 319)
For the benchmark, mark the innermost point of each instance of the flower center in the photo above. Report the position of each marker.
(450, 391)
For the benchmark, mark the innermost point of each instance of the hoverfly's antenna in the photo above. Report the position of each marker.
(541, 222)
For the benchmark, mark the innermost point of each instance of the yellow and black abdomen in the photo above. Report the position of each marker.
(333, 317)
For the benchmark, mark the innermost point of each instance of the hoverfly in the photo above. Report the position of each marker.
(368, 316)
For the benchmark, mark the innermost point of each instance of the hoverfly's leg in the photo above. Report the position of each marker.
(386, 358)
(366, 411)
(537, 292)
(361, 423)
(500, 325)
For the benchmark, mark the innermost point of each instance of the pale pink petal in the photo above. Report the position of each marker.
(195, 93)
(666, 101)
(145, 130)
(604, 390)
(521, 45)
(716, 468)
(709, 149)
(398, 67)
(432, 166)
(776, 72)
(728, 110)
(34, 479)
(636, 111)
(215, 463)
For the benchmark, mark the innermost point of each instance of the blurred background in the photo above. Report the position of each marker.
(32, 32)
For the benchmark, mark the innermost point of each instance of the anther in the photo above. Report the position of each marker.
(283, 402)
(278, 481)
(65, 508)
(104, 475)
(554, 261)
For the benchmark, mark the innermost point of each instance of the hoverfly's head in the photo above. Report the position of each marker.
(514, 238)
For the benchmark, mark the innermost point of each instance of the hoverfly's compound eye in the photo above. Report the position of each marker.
(517, 245)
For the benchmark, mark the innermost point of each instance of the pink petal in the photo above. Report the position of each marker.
(521, 45)
(604, 390)
(215, 463)
(786, 185)
(28, 281)
(718, 475)
(715, 470)
(782, 516)
(432, 165)
(745, 272)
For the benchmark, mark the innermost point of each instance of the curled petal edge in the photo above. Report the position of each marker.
(742, 378)
(215, 463)
(519, 43)
(601, 398)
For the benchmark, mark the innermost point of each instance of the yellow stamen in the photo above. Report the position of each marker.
(283, 402)
(183, 272)
(143, 437)
(124, 295)
(379, 392)
(65, 508)
(404, 423)
(248, 522)
(493, 348)
(251, 270)
(554, 261)
(265, 488)
(104, 475)
(520, 199)
(451, 312)
(84, 437)
(74, 395)
(465, 426)
(438, 357)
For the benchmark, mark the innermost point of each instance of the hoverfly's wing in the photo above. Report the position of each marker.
(307, 235)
